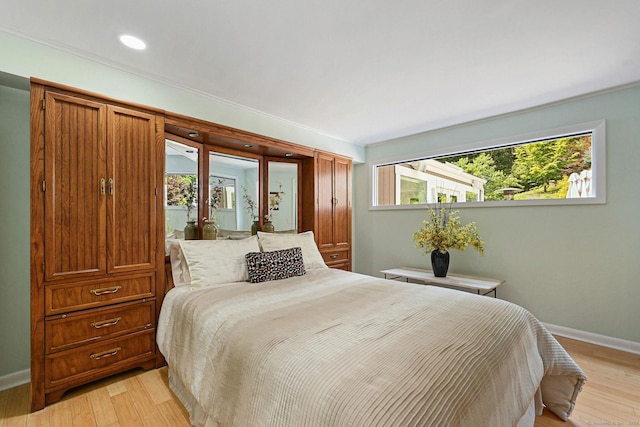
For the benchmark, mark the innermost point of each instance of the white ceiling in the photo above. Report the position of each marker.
(359, 70)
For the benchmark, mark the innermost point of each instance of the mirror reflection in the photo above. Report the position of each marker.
(181, 190)
(283, 196)
(222, 203)
(233, 194)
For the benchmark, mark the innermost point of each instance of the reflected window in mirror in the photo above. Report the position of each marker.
(222, 201)
(282, 209)
(181, 190)
(233, 193)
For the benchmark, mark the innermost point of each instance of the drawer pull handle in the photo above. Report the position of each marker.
(103, 291)
(105, 323)
(102, 355)
(334, 256)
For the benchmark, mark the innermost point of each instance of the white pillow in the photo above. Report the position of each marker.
(201, 263)
(310, 253)
(179, 269)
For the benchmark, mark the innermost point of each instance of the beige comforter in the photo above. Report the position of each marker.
(333, 348)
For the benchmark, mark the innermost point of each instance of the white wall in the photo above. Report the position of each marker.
(573, 266)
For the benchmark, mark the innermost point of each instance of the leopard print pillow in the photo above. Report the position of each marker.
(275, 265)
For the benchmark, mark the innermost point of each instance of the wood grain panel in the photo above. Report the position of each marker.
(324, 177)
(93, 245)
(308, 195)
(346, 266)
(342, 208)
(386, 185)
(66, 366)
(37, 245)
(75, 239)
(65, 297)
(132, 191)
(335, 256)
(73, 330)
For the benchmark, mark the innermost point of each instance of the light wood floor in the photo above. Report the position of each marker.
(611, 397)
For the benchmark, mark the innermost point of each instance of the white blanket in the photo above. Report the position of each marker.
(334, 348)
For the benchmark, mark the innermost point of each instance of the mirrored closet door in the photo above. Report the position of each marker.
(181, 190)
(233, 191)
(282, 207)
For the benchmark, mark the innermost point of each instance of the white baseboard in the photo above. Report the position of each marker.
(602, 340)
(15, 379)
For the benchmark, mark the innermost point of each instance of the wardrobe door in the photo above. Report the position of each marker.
(131, 190)
(75, 196)
(342, 204)
(325, 202)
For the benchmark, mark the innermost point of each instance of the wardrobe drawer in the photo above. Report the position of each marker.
(346, 266)
(335, 256)
(61, 298)
(68, 331)
(86, 361)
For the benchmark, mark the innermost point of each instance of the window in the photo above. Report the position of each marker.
(412, 190)
(563, 166)
(233, 182)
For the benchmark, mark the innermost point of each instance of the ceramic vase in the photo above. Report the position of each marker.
(439, 263)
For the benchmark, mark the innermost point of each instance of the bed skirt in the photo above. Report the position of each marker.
(198, 416)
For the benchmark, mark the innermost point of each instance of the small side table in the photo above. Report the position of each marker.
(480, 285)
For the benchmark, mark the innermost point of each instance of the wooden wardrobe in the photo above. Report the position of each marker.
(97, 229)
(97, 249)
(328, 198)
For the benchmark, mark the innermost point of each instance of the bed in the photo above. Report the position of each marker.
(258, 332)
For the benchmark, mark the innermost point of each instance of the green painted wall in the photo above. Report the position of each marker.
(25, 58)
(572, 266)
(22, 59)
(14, 230)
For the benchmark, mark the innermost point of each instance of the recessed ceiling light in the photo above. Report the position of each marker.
(248, 145)
(132, 42)
(193, 134)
